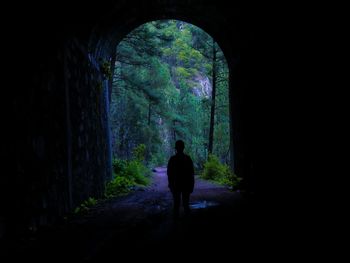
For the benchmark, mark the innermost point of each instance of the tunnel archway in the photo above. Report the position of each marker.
(66, 156)
(113, 28)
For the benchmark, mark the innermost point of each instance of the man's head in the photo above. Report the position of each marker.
(180, 146)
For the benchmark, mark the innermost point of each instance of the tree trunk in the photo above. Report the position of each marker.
(149, 114)
(174, 132)
(110, 81)
(212, 106)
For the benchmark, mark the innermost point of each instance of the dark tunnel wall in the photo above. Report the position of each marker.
(61, 153)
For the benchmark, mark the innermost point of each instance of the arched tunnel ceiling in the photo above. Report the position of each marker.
(123, 18)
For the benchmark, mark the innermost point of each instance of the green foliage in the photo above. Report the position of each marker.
(85, 206)
(139, 152)
(157, 159)
(155, 97)
(213, 168)
(128, 173)
(119, 166)
(106, 69)
(231, 180)
(134, 171)
(118, 185)
(182, 72)
(221, 173)
(137, 172)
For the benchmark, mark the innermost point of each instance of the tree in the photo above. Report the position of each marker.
(158, 94)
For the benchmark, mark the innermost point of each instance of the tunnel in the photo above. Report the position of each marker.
(57, 147)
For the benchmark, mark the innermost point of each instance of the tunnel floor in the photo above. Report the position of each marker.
(140, 224)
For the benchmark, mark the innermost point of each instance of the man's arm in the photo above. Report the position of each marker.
(170, 173)
(191, 168)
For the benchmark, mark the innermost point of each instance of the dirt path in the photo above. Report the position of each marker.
(142, 220)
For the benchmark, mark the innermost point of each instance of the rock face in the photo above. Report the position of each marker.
(203, 87)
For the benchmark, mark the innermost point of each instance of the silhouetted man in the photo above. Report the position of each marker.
(180, 178)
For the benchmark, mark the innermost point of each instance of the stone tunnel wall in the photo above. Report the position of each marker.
(88, 106)
(59, 141)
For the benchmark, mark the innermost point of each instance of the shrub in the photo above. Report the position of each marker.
(212, 168)
(139, 152)
(105, 67)
(118, 185)
(85, 206)
(119, 166)
(137, 172)
(230, 179)
(221, 173)
(127, 174)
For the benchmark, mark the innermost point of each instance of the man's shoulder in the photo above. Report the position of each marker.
(180, 157)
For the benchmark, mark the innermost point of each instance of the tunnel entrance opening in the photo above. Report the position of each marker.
(170, 82)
